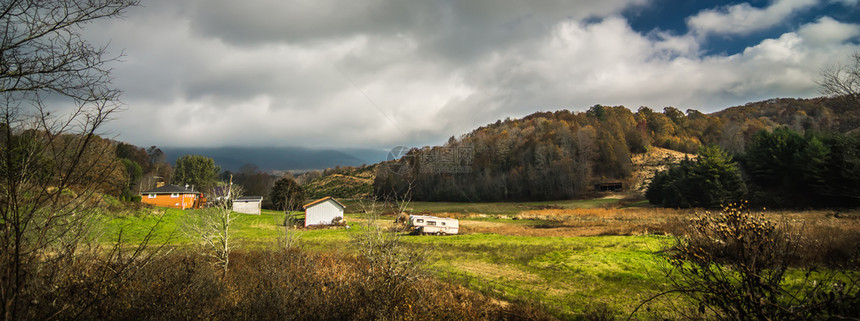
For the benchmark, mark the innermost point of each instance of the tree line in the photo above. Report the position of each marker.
(124, 170)
(779, 168)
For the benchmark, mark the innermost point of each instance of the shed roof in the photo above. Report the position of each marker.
(248, 199)
(323, 200)
(170, 189)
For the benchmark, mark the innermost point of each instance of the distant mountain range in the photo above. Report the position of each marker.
(280, 158)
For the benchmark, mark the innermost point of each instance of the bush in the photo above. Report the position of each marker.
(734, 264)
(260, 285)
(708, 181)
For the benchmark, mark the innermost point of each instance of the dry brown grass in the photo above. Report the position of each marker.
(267, 285)
(578, 222)
(635, 221)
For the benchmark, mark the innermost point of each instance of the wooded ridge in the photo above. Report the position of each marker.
(562, 154)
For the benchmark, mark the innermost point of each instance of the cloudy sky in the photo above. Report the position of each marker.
(381, 73)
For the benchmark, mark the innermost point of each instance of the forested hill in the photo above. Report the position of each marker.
(818, 114)
(562, 154)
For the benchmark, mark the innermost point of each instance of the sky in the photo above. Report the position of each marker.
(384, 73)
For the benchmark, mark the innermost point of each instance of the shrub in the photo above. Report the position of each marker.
(260, 285)
(734, 264)
(708, 181)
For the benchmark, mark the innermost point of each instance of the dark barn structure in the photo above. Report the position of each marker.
(609, 187)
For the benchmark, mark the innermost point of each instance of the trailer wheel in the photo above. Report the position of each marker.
(440, 233)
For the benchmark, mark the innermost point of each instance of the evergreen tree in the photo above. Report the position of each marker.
(785, 167)
(842, 178)
(712, 180)
(195, 170)
(715, 179)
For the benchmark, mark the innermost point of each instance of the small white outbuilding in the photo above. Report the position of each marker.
(323, 211)
(248, 205)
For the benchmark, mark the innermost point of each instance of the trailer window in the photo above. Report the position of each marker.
(420, 220)
(431, 223)
(442, 223)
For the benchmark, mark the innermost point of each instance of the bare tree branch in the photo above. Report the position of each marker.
(842, 80)
(51, 165)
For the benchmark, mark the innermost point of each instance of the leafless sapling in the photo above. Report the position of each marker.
(212, 225)
(393, 266)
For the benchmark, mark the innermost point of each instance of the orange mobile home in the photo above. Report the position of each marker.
(172, 196)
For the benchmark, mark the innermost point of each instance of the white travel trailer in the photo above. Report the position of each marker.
(423, 224)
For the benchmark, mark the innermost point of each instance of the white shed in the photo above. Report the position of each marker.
(248, 204)
(323, 211)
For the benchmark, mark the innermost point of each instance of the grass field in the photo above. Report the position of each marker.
(564, 274)
(564, 256)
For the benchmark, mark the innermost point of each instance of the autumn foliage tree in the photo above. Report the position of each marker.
(136, 163)
(542, 156)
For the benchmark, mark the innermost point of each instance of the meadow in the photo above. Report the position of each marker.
(569, 258)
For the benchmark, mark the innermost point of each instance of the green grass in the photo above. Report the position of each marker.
(563, 274)
(642, 204)
(251, 229)
(163, 222)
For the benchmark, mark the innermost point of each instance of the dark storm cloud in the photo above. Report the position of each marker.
(451, 28)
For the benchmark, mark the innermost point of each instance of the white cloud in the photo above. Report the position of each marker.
(828, 31)
(608, 63)
(416, 81)
(744, 19)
